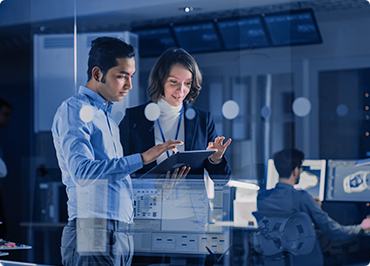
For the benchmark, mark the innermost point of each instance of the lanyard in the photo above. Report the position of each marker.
(177, 131)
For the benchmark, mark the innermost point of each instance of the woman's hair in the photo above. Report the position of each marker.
(161, 71)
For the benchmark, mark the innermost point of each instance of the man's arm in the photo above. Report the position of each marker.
(83, 158)
(86, 159)
(329, 226)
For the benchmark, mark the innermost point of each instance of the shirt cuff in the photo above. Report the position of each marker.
(134, 161)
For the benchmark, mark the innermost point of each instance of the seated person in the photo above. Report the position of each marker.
(284, 199)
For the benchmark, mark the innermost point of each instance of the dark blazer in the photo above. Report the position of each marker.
(137, 136)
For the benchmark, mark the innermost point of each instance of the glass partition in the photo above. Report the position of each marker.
(287, 74)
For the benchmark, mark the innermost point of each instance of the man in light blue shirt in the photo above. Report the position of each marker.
(90, 156)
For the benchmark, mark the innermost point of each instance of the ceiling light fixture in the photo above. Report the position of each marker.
(189, 9)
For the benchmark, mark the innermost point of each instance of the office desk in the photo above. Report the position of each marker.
(17, 263)
(4, 248)
(235, 225)
(46, 229)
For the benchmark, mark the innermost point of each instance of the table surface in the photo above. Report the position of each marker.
(233, 224)
(42, 224)
(17, 263)
(17, 247)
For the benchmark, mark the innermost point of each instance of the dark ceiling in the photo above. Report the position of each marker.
(16, 36)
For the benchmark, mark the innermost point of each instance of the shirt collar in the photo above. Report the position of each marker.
(96, 99)
(280, 184)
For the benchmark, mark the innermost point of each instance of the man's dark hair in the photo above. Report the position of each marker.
(104, 53)
(287, 160)
(5, 103)
(161, 71)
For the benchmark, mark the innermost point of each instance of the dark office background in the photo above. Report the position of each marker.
(338, 137)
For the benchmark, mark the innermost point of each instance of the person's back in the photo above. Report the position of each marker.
(284, 198)
(283, 201)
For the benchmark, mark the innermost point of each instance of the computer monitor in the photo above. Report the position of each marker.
(154, 41)
(198, 37)
(293, 27)
(348, 180)
(180, 223)
(312, 178)
(243, 33)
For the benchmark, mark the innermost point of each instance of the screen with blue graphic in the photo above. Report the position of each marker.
(201, 37)
(295, 27)
(243, 33)
(348, 180)
(153, 42)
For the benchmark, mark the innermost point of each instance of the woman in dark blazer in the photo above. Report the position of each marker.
(175, 82)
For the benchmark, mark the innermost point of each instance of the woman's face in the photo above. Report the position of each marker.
(177, 85)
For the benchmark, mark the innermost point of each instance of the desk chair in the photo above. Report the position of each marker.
(281, 236)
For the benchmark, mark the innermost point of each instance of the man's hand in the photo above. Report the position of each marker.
(220, 147)
(153, 153)
(366, 224)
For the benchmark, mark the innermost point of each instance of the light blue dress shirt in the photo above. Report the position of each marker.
(90, 156)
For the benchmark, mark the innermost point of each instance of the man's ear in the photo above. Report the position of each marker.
(96, 73)
(295, 171)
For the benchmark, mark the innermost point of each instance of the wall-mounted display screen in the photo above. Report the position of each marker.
(245, 33)
(295, 27)
(153, 42)
(201, 37)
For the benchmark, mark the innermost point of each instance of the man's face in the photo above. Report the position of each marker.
(5, 115)
(117, 81)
